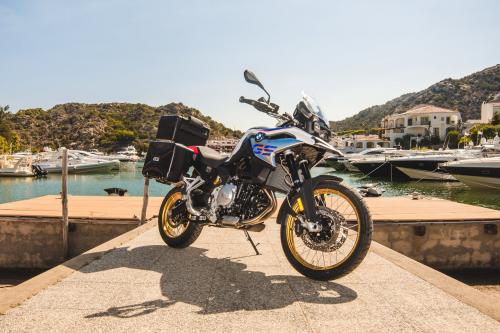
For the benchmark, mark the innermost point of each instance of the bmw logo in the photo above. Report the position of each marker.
(259, 136)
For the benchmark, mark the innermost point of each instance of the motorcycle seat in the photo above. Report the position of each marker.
(210, 156)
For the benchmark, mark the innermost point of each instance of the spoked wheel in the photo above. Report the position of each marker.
(175, 228)
(343, 235)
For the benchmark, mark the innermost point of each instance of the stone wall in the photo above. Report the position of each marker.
(444, 246)
(36, 242)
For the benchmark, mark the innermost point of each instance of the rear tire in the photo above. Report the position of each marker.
(363, 234)
(180, 236)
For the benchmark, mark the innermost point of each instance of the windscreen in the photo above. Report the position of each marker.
(314, 107)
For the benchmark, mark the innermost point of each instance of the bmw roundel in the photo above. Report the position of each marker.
(259, 136)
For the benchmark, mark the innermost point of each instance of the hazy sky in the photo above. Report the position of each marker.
(347, 54)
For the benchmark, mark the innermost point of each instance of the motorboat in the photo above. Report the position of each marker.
(52, 163)
(92, 156)
(340, 163)
(129, 154)
(427, 166)
(477, 173)
(378, 166)
(16, 166)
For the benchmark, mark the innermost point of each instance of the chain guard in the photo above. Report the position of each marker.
(334, 232)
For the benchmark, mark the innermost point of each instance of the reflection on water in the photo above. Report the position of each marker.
(130, 178)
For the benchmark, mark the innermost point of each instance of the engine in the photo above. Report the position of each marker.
(236, 202)
(224, 195)
(249, 202)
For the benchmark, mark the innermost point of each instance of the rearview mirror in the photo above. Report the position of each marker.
(250, 77)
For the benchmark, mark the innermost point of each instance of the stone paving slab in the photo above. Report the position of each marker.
(218, 285)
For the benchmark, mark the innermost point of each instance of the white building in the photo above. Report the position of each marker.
(357, 143)
(489, 109)
(420, 121)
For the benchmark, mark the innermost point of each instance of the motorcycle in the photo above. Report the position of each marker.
(325, 226)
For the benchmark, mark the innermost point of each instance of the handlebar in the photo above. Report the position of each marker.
(268, 108)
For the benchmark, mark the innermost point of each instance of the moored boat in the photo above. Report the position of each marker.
(11, 166)
(477, 173)
(339, 163)
(378, 167)
(76, 164)
(427, 166)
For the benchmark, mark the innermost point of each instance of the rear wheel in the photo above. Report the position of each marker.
(344, 239)
(175, 228)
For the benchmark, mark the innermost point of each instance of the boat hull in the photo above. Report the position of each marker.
(380, 170)
(16, 173)
(480, 182)
(481, 175)
(426, 174)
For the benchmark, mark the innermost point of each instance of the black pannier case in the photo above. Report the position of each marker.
(167, 161)
(187, 131)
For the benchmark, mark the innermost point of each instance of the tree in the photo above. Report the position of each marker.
(464, 140)
(15, 141)
(496, 119)
(453, 139)
(4, 145)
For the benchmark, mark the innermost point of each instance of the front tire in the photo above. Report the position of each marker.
(333, 255)
(176, 231)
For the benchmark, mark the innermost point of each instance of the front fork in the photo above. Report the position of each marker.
(303, 188)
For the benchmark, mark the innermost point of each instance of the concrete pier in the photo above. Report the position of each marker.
(136, 283)
(31, 230)
(440, 233)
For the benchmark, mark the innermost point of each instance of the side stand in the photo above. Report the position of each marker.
(247, 235)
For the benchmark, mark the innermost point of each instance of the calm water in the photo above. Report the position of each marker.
(130, 178)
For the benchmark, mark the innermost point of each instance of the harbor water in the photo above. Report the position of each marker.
(130, 178)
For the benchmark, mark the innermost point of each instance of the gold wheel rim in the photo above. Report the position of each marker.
(167, 227)
(303, 258)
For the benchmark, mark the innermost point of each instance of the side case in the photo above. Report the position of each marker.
(167, 161)
(187, 131)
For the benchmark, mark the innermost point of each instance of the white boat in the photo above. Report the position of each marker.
(340, 163)
(52, 163)
(477, 173)
(129, 154)
(12, 166)
(372, 154)
(427, 166)
(89, 156)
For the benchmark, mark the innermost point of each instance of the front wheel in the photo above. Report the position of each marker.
(344, 237)
(175, 228)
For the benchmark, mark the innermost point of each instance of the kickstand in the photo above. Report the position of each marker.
(251, 242)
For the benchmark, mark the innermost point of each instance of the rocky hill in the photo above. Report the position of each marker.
(465, 94)
(106, 126)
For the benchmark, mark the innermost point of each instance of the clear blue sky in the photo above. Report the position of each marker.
(348, 54)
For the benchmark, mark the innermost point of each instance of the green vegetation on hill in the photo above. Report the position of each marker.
(465, 95)
(105, 126)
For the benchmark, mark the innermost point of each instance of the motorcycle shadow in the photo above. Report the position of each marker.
(214, 285)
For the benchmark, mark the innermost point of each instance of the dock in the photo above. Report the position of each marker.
(31, 230)
(439, 233)
(136, 283)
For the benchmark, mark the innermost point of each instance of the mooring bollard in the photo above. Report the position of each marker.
(145, 201)
(64, 199)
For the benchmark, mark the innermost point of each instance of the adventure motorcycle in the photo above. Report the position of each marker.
(326, 227)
